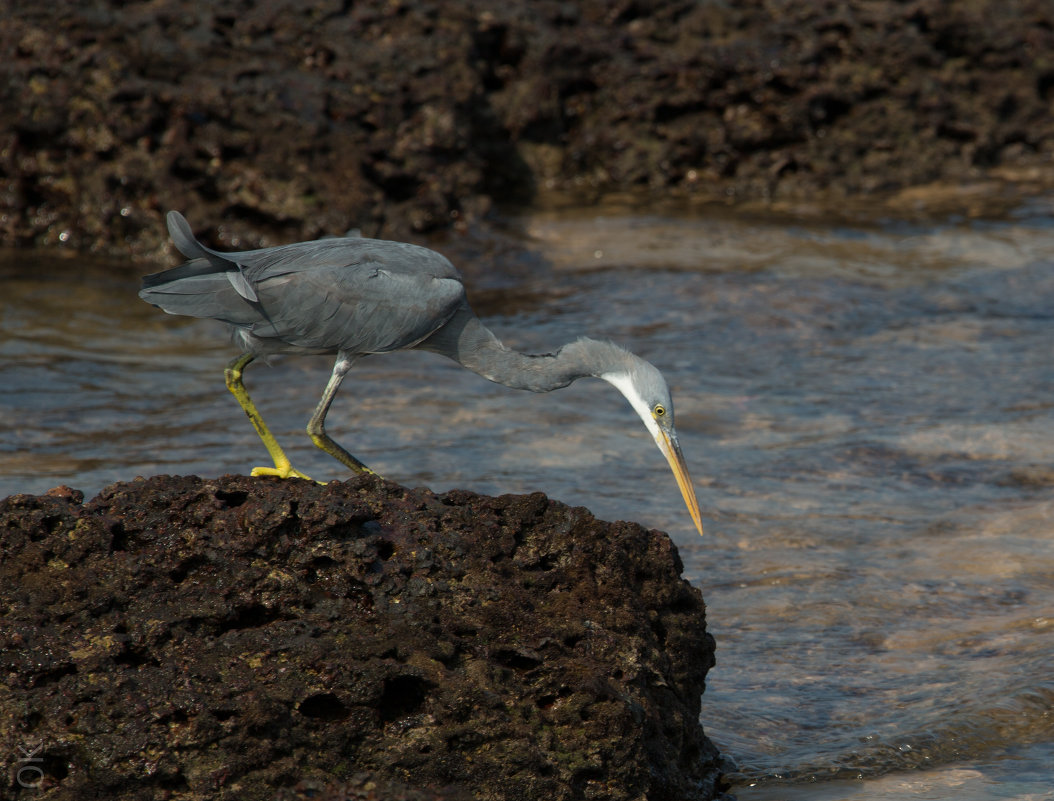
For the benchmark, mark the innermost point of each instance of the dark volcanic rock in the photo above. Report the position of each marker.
(280, 120)
(182, 638)
(364, 787)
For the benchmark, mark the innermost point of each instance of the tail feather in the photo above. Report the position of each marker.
(183, 238)
(196, 290)
(190, 269)
(200, 287)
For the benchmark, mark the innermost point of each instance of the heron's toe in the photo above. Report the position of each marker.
(281, 472)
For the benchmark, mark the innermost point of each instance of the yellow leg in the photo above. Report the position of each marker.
(282, 468)
(316, 428)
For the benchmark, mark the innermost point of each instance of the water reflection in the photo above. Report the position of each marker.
(868, 412)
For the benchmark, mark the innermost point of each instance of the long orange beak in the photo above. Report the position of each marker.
(671, 449)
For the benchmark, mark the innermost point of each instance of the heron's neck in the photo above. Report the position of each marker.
(467, 341)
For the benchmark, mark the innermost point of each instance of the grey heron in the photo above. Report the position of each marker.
(353, 297)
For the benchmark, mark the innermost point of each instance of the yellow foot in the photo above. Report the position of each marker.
(282, 472)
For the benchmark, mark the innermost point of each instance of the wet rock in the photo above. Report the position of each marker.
(279, 121)
(365, 787)
(184, 638)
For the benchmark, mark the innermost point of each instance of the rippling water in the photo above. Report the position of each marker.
(868, 412)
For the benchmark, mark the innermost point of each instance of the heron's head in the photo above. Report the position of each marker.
(647, 392)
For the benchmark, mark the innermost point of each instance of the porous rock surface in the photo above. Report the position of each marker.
(281, 120)
(235, 638)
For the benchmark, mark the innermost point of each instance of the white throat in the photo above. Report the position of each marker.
(624, 384)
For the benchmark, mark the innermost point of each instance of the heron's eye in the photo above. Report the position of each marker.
(659, 410)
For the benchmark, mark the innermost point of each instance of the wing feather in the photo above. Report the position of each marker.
(358, 308)
(354, 294)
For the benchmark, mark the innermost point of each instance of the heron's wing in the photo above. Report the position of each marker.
(366, 297)
(360, 295)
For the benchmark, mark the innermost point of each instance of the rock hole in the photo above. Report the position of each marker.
(685, 604)
(323, 706)
(548, 700)
(402, 696)
(319, 569)
(385, 549)
(251, 617)
(583, 777)
(544, 563)
(31, 720)
(55, 673)
(175, 782)
(133, 658)
(1045, 84)
(571, 640)
(233, 498)
(118, 537)
(179, 573)
(51, 523)
(54, 764)
(545, 701)
(517, 660)
(660, 631)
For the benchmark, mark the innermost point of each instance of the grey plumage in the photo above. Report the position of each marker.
(354, 297)
(301, 297)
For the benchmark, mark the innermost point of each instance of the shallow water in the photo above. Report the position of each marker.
(868, 412)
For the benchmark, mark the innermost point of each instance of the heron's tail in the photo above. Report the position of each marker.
(202, 286)
(203, 262)
(183, 238)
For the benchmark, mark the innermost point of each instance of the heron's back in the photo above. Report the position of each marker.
(352, 294)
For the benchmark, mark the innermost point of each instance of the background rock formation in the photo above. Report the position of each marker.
(280, 120)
